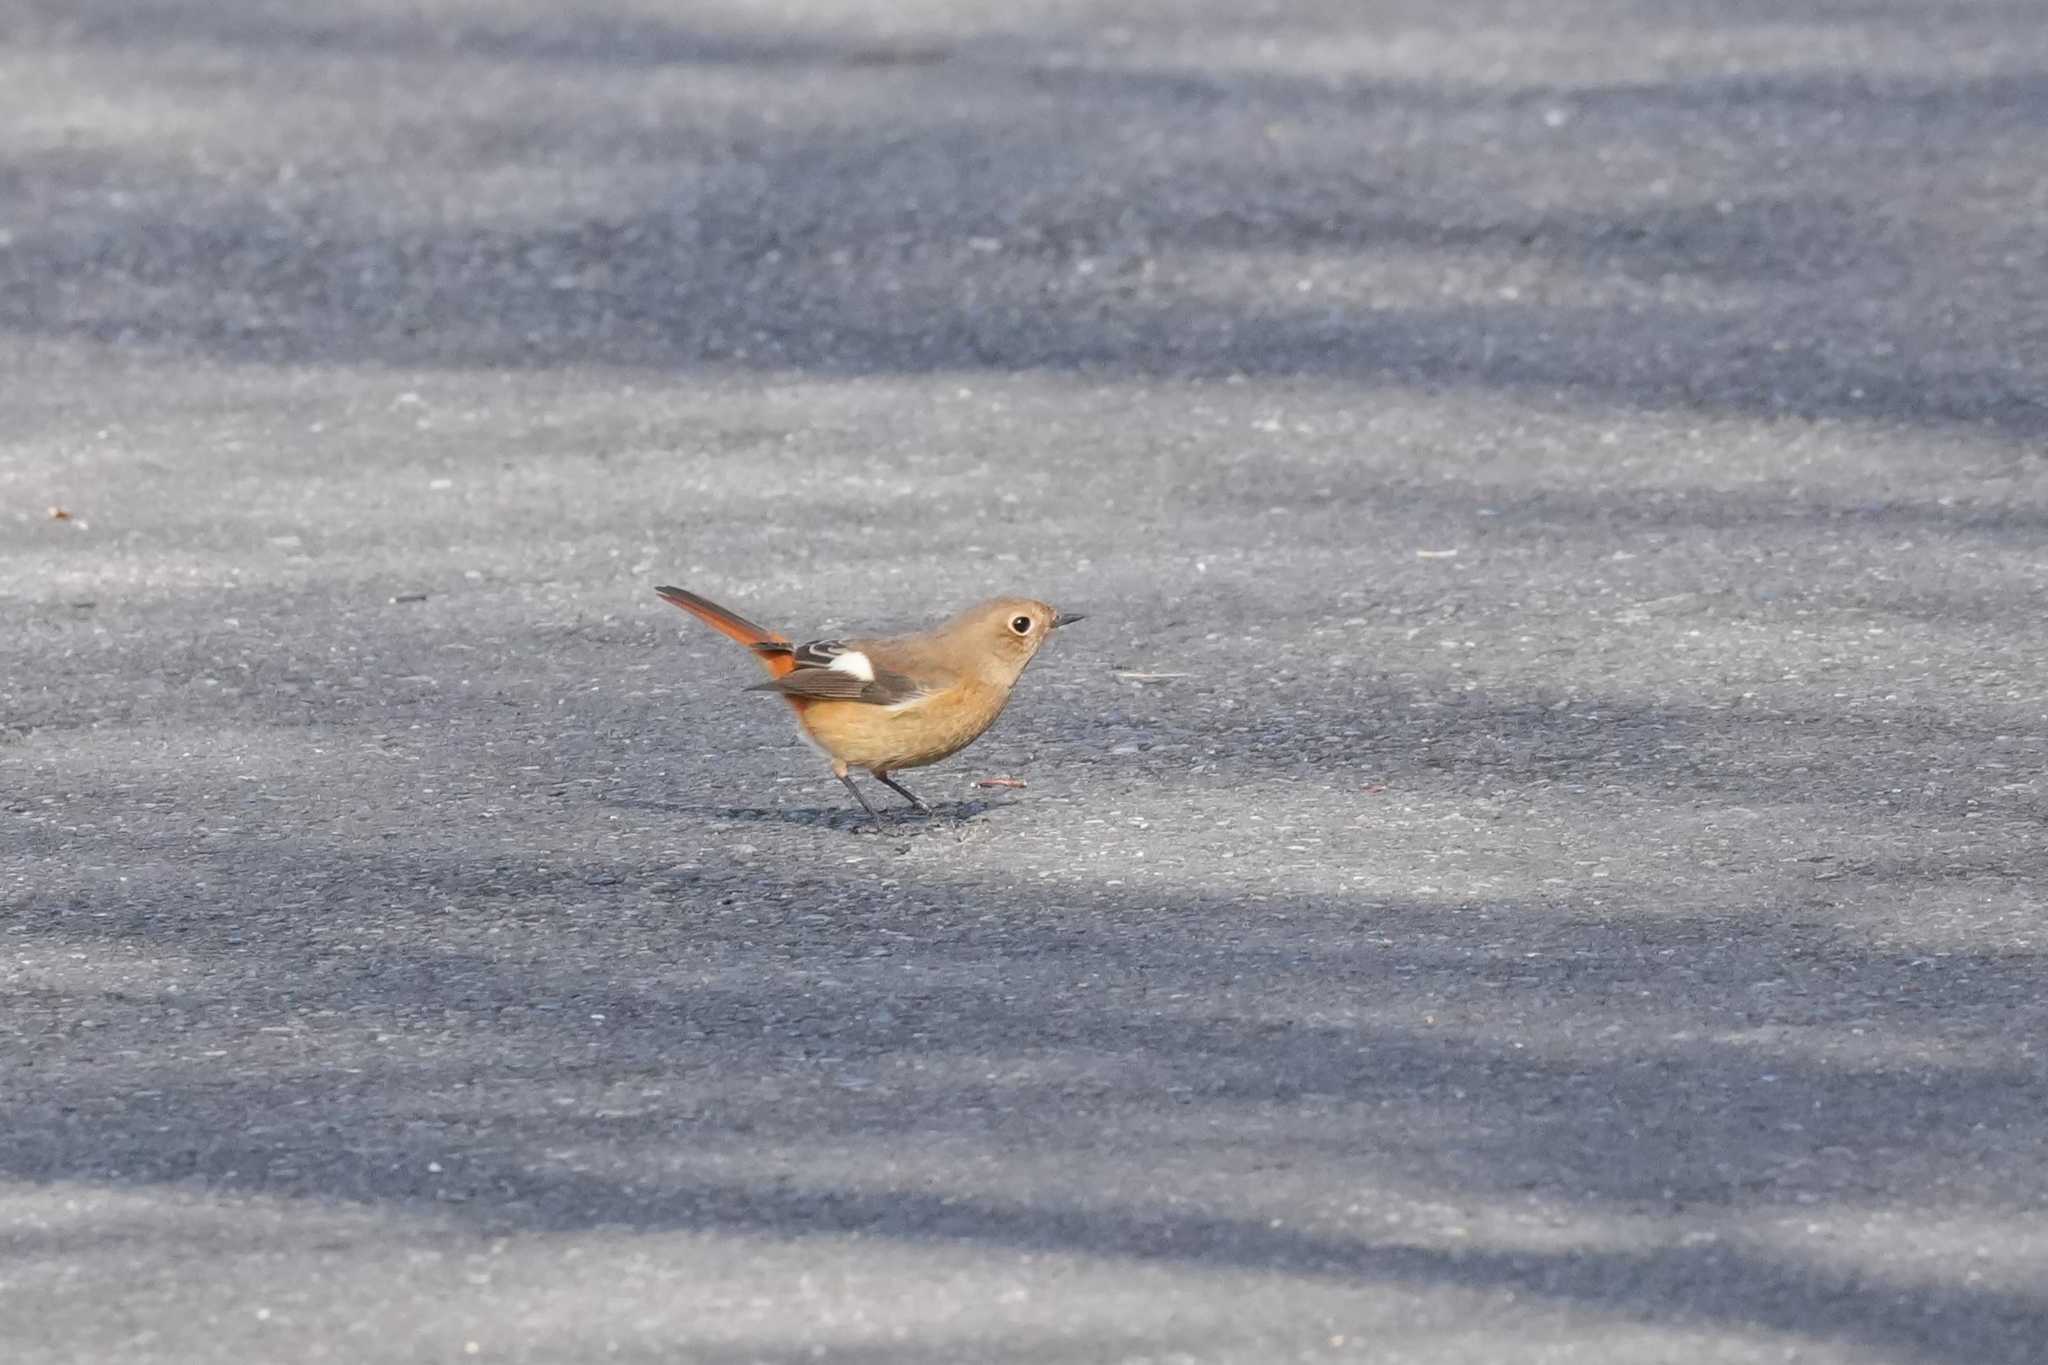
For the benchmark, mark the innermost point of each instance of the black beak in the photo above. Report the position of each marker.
(1067, 618)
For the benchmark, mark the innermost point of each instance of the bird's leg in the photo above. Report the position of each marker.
(873, 814)
(906, 793)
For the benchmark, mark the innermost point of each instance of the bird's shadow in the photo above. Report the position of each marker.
(943, 815)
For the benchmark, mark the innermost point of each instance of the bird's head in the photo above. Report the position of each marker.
(1012, 629)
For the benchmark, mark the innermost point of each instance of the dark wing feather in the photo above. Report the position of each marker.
(815, 677)
(820, 684)
(819, 653)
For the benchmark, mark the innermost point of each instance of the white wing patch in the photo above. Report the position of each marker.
(856, 663)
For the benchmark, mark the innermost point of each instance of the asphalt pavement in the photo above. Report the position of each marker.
(1534, 855)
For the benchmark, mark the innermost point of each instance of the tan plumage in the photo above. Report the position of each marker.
(893, 702)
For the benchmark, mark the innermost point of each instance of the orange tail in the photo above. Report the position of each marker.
(774, 651)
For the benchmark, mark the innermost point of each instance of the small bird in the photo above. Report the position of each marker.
(899, 702)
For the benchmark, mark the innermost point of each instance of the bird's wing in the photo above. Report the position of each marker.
(833, 670)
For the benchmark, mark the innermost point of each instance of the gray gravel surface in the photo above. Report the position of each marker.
(1535, 854)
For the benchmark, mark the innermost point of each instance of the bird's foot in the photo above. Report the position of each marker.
(906, 793)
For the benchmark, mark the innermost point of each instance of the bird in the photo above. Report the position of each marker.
(903, 701)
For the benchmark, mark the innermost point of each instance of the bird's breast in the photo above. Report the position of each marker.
(907, 736)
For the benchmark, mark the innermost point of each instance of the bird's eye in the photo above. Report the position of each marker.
(1021, 624)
